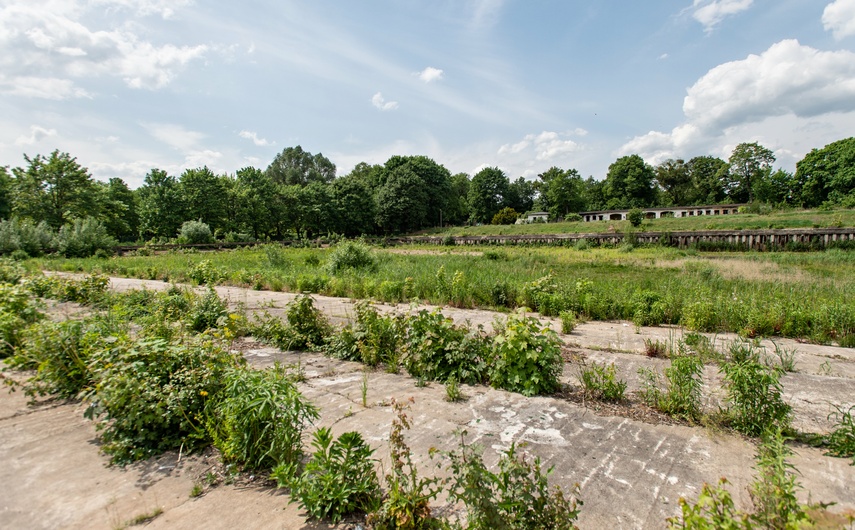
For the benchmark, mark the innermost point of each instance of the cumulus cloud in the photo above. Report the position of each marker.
(430, 74)
(250, 135)
(380, 102)
(175, 136)
(545, 146)
(839, 18)
(787, 79)
(164, 8)
(711, 12)
(45, 36)
(36, 135)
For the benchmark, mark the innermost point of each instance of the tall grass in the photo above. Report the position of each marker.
(808, 295)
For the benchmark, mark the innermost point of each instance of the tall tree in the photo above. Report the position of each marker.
(630, 184)
(354, 205)
(487, 192)
(55, 189)
(402, 201)
(436, 181)
(160, 205)
(827, 174)
(255, 195)
(458, 205)
(748, 164)
(676, 180)
(118, 209)
(293, 166)
(5, 193)
(707, 185)
(203, 196)
(561, 192)
(520, 195)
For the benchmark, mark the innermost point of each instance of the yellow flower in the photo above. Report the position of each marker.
(203, 393)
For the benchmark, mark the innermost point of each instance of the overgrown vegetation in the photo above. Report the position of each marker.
(526, 356)
(680, 394)
(600, 381)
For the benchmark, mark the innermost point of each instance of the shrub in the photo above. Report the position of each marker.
(647, 308)
(518, 497)
(195, 232)
(276, 255)
(438, 350)
(841, 441)
(350, 255)
(601, 382)
(83, 237)
(406, 505)
(339, 479)
(23, 235)
(635, 217)
(754, 393)
(258, 418)
(206, 311)
(10, 272)
(568, 321)
(655, 348)
(377, 337)
(526, 357)
(505, 216)
(203, 273)
(681, 396)
(309, 327)
(151, 395)
(17, 311)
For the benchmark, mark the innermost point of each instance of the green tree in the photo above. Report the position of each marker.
(255, 196)
(676, 180)
(707, 185)
(505, 216)
(436, 182)
(748, 164)
(161, 209)
(55, 189)
(520, 195)
(203, 197)
(5, 193)
(402, 202)
(293, 166)
(561, 192)
(827, 174)
(487, 192)
(354, 206)
(630, 184)
(458, 205)
(775, 187)
(118, 211)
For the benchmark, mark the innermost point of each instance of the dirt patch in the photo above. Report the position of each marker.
(736, 269)
(426, 252)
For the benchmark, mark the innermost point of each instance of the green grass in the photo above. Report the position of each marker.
(786, 294)
(784, 219)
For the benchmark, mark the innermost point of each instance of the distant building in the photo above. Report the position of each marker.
(537, 217)
(659, 213)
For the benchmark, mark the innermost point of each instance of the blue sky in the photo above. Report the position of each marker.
(128, 85)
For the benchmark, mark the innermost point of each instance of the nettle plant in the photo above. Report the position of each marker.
(526, 357)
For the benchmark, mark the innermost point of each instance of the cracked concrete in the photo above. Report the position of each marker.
(631, 473)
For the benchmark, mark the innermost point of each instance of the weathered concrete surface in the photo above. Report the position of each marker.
(631, 474)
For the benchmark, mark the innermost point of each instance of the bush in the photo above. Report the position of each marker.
(568, 321)
(681, 396)
(635, 217)
(754, 393)
(258, 418)
(309, 327)
(600, 382)
(83, 237)
(505, 216)
(350, 255)
(438, 350)
(372, 339)
(339, 479)
(17, 311)
(203, 273)
(841, 441)
(276, 255)
(195, 232)
(526, 357)
(22, 235)
(206, 311)
(150, 396)
(518, 497)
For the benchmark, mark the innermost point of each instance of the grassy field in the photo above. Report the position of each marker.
(787, 219)
(805, 295)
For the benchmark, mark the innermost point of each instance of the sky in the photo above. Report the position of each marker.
(130, 85)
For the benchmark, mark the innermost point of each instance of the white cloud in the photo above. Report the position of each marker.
(36, 36)
(42, 88)
(711, 12)
(380, 102)
(430, 74)
(175, 136)
(663, 56)
(164, 8)
(250, 135)
(36, 135)
(485, 13)
(203, 157)
(788, 79)
(839, 18)
(545, 146)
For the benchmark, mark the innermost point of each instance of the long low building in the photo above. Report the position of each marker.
(668, 211)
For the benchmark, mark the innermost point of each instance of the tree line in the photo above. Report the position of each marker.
(299, 194)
